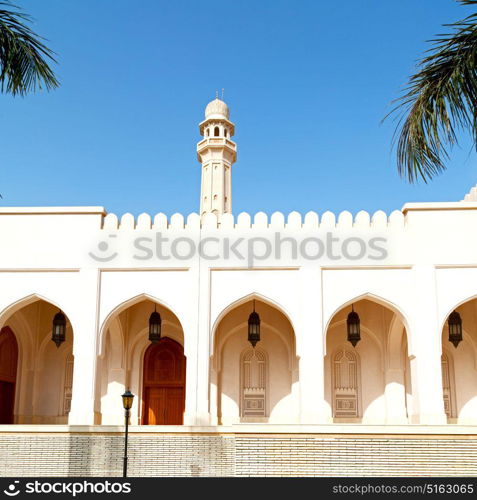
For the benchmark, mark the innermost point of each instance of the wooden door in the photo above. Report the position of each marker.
(164, 384)
(8, 374)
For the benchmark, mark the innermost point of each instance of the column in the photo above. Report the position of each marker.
(85, 328)
(425, 350)
(310, 348)
(203, 346)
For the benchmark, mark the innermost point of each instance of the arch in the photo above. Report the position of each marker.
(380, 396)
(163, 398)
(118, 309)
(454, 308)
(243, 300)
(373, 298)
(39, 383)
(122, 345)
(459, 374)
(276, 398)
(11, 309)
(216, 132)
(8, 374)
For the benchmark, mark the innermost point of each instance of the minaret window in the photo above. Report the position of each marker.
(208, 132)
(216, 132)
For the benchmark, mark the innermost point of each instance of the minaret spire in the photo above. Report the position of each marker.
(217, 153)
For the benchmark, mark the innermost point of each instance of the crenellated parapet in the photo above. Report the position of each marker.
(260, 220)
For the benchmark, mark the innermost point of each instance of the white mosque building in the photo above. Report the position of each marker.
(305, 329)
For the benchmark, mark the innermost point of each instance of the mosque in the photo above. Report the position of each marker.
(299, 344)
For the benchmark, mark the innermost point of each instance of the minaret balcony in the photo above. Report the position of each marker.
(217, 143)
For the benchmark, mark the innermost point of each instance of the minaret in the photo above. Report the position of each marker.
(217, 152)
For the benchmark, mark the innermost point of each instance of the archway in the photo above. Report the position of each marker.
(35, 375)
(459, 368)
(369, 382)
(126, 353)
(254, 384)
(164, 383)
(8, 374)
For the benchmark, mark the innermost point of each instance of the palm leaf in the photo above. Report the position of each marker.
(23, 57)
(439, 101)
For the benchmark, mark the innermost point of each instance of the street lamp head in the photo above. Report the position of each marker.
(128, 397)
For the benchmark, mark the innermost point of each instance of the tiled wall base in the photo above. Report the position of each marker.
(236, 455)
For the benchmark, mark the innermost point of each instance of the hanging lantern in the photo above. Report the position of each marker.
(155, 327)
(254, 327)
(455, 328)
(352, 324)
(58, 331)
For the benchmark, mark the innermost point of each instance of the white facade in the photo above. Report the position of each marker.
(404, 273)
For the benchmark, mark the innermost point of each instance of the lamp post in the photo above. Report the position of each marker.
(128, 397)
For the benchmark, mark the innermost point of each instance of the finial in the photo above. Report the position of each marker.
(216, 94)
(222, 94)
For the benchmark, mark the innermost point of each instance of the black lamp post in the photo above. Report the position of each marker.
(128, 397)
(455, 328)
(58, 331)
(353, 327)
(254, 327)
(155, 327)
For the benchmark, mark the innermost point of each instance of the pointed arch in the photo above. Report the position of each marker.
(455, 307)
(118, 309)
(243, 300)
(377, 300)
(11, 309)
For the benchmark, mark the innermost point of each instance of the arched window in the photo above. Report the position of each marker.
(68, 385)
(447, 386)
(254, 382)
(225, 132)
(345, 384)
(207, 132)
(216, 132)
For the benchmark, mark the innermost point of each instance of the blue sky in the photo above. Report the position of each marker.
(307, 83)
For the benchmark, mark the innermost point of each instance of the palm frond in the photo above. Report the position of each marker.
(23, 57)
(439, 101)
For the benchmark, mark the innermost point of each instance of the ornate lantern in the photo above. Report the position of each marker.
(155, 327)
(58, 331)
(455, 328)
(254, 327)
(353, 328)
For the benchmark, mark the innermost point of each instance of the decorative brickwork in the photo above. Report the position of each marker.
(235, 455)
